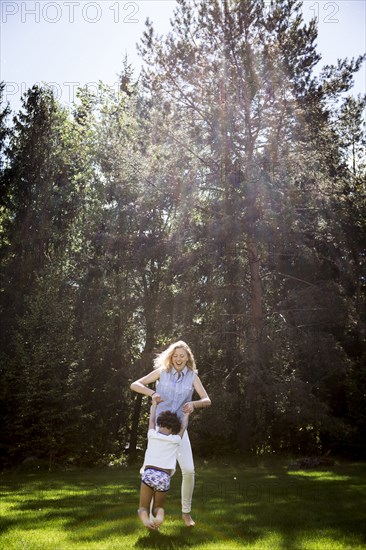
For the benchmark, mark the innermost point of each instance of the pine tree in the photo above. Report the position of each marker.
(239, 80)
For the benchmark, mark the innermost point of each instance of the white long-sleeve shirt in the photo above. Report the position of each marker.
(161, 450)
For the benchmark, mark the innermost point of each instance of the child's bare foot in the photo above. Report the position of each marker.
(188, 520)
(144, 517)
(159, 516)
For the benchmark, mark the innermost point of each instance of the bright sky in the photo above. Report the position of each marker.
(71, 43)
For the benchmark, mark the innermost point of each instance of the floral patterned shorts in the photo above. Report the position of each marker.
(156, 479)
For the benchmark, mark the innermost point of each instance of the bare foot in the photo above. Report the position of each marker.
(144, 517)
(159, 517)
(188, 520)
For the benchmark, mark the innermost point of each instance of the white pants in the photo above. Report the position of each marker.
(185, 461)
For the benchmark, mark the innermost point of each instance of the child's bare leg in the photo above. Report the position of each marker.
(159, 516)
(144, 517)
(146, 494)
(159, 499)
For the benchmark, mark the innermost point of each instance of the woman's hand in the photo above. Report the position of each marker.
(156, 398)
(188, 408)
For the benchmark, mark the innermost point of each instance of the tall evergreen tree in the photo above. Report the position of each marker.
(240, 81)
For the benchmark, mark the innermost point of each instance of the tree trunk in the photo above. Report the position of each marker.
(132, 454)
(144, 366)
(247, 424)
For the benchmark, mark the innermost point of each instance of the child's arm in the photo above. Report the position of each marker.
(152, 415)
(184, 424)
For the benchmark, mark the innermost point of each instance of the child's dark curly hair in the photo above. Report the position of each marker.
(170, 420)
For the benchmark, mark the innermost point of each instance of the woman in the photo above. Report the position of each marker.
(176, 378)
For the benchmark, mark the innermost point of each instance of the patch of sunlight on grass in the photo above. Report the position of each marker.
(321, 476)
(226, 545)
(33, 539)
(272, 541)
(328, 542)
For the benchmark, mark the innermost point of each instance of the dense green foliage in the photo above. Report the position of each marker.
(221, 200)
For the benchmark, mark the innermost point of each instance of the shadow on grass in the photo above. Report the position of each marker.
(182, 538)
(235, 503)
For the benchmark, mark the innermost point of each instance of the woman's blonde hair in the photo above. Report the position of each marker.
(164, 359)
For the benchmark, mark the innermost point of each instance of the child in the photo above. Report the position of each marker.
(159, 463)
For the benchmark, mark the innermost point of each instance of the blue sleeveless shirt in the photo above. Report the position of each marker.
(175, 390)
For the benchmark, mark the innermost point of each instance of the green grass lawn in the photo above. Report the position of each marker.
(235, 506)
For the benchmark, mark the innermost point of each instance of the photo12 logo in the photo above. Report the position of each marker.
(64, 91)
(322, 12)
(54, 12)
